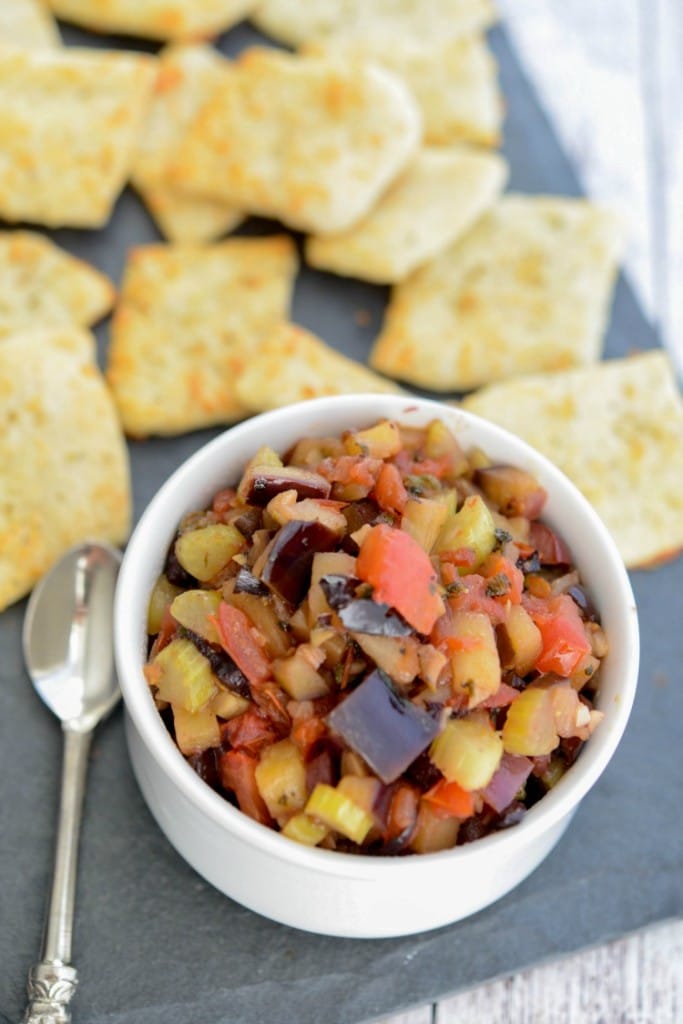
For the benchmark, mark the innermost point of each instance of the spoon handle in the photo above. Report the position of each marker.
(52, 981)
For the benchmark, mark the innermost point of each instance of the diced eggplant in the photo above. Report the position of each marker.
(358, 513)
(247, 583)
(174, 571)
(361, 614)
(387, 731)
(287, 568)
(551, 549)
(261, 483)
(508, 779)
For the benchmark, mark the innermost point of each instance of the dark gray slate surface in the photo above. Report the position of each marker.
(154, 944)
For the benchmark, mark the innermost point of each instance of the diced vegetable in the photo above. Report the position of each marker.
(471, 527)
(298, 674)
(195, 731)
(196, 610)
(339, 812)
(397, 656)
(379, 442)
(238, 775)
(474, 656)
(390, 491)
(161, 597)
(204, 552)
(563, 636)
(288, 567)
(360, 614)
(387, 730)
(433, 831)
(227, 704)
(530, 724)
(304, 829)
(450, 799)
(468, 751)
(514, 491)
(423, 519)
(508, 779)
(186, 677)
(236, 635)
(519, 641)
(401, 575)
(285, 508)
(281, 779)
(262, 615)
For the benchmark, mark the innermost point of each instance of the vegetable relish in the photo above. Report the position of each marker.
(376, 644)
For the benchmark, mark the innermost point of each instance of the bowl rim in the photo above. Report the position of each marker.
(557, 804)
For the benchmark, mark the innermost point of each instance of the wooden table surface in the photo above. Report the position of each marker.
(611, 78)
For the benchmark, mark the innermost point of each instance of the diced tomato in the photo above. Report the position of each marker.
(224, 500)
(351, 469)
(238, 773)
(462, 558)
(563, 634)
(462, 643)
(307, 732)
(235, 632)
(471, 596)
(401, 575)
(390, 493)
(497, 565)
(250, 731)
(502, 698)
(450, 800)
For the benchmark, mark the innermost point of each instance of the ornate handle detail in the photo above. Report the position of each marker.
(50, 988)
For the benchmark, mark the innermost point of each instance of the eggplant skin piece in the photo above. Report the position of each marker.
(362, 614)
(288, 567)
(387, 730)
(264, 484)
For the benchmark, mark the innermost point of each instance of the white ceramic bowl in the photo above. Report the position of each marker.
(320, 890)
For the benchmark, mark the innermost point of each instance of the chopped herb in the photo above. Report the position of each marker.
(498, 585)
(502, 536)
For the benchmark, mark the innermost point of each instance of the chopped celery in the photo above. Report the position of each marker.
(192, 609)
(468, 751)
(227, 704)
(339, 812)
(304, 829)
(186, 677)
(207, 550)
(471, 527)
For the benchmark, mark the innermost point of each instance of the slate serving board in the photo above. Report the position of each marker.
(153, 942)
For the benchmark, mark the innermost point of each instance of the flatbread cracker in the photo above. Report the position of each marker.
(186, 78)
(43, 285)
(306, 140)
(27, 23)
(291, 364)
(527, 289)
(69, 123)
(455, 82)
(187, 324)
(64, 473)
(155, 19)
(440, 195)
(299, 21)
(616, 430)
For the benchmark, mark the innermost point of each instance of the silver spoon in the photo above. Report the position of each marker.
(68, 652)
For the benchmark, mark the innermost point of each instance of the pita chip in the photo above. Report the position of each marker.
(28, 23)
(155, 19)
(440, 195)
(308, 141)
(299, 21)
(69, 123)
(616, 430)
(186, 78)
(43, 285)
(291, 364)
(527, 289)
(186, 326)
(64, 473)
(455, 82)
